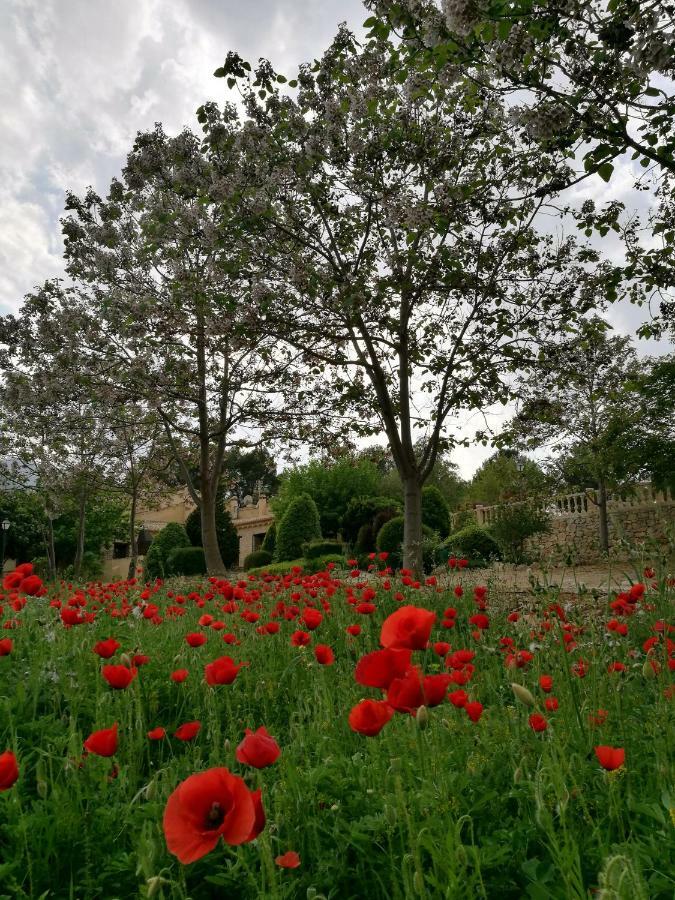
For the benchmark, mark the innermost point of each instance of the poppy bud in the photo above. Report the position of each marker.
(227, 744)
(422, 717)
(523, 694)
(418, 882)
(125, 659)
(518, 775)
(154, 885)
(648, 669)
(42, 788)
(390, 815)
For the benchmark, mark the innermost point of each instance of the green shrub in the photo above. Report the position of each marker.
(435, 511)
(171, 537)
(299, 526)
(473, 542)
(186, 561)
(322, 548)
(270, 540)
(390, 540)
(319, 563)
(514, 525)
(279, 568)
(257, 558)
(153, 566)
(228, 539)
(358, 522)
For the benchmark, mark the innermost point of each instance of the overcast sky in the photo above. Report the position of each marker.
(79, 78)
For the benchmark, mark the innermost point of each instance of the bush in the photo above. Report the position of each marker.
(360, 512)
(170, 538)
(435, 511)
(279, 568)
(270, 540)
(390, 540)
(320, 563)
(322, 548)
(472, 542)
(186, 561)
(299, 526)
(257, 558)
(153, 566)
(514, 525)
(228, 539)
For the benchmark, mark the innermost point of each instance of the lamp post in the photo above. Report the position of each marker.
(5, 528)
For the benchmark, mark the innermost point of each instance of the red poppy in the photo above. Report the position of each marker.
(139, 659)
(537, 722)
(370, 716)
(441, 648)
(9, 770)
(290, 860)
(551, 704)
(546, 683)
(103, 742)
(157, 734)
(610, 758)
(179, 675)
(378, 669)
(222, 671)
(106, 649)
(188, 731)
(195, 639)
(474, 710)
(409, 627)
(458, 698)
(206, 807)
(324, 655)
(258, 749)
(31, 585)
(599, 719)
(311, 618)
(119, 677)
(354, 630)
(300, 639)
(434, 688)
(406, 694)
(6, 645)
(480, 620)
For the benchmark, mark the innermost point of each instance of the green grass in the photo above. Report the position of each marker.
(453, 810)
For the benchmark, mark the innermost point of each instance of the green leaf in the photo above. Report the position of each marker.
(605, 171)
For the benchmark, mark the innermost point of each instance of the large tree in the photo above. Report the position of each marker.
(159, 258)
(397, 247)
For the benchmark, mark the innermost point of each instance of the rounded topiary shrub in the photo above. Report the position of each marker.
(299, 525)
(472, 542)
(228, 539)
(170, 538)
(257, 558)
(154, 564)
(435, 511)
(186, 561)
(390, 540)
(360, 524)
(320, 563)
(322, 548)
(270, 540)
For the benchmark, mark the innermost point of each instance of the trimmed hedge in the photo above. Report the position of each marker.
(300, 525)
(322, 548)
(257, 558)
(186, 561)
(473, 542)
(228, 539)
(390, 540)
(270, 540)
(435, 511)
(359, 524)
(319, 563)
(171, 537)
(278, 568)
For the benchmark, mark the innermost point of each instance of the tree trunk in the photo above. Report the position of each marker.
(133, 540)
(412, 528)
(79, 553)
(51, 554)
(214, 561)
(602, 510)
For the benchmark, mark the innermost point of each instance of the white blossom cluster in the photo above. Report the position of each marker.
(462, 16)
(543, 122)
(510, 52)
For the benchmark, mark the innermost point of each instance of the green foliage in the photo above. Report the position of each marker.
(279, 568)
(299, 525)
(359, 514)
(170, 538)
(499, 479)
(471, 542)
(320, 563)
(435, 512)
(228, 539)
(270, 540)
(25, 511)
(257, 558)
(331, 486)
(321, 548)
(244, 470)
(390, 540)
(193, 527)
(185, 561)
(516, 523)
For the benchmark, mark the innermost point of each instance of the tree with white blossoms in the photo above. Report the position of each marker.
(159, 258)
(395, 246)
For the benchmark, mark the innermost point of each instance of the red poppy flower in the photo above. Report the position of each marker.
(474, 710)
(551, 704)
(354, 630)
(12, 580)
(188, 731)
(406, 694)
(480, 621)
(119, 677)
(434, 688)
(206, 807)
(409, 627)
(378, 669)
(31, 585)
(9, 770)
(106, 649)
(441, 648)
(103, 742)
(179, 675)
(311, 618)
(157, 734)
(6, 645)
(546, 683)
(324, 655)
(610, 758)
(300, 639)
(139, 659)
(258, 749)
(537, 722)
(222, 671)
(370, 716)
(290, 860)
(195, 639)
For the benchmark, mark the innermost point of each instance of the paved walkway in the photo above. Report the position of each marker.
(521, 579)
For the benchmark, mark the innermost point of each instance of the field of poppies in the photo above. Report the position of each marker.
(334, 735)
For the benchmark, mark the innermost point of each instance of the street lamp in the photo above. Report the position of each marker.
(5, 528)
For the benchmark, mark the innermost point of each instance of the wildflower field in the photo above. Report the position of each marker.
(346, 735)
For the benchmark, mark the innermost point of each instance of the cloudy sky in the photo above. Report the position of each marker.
(79, 78)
